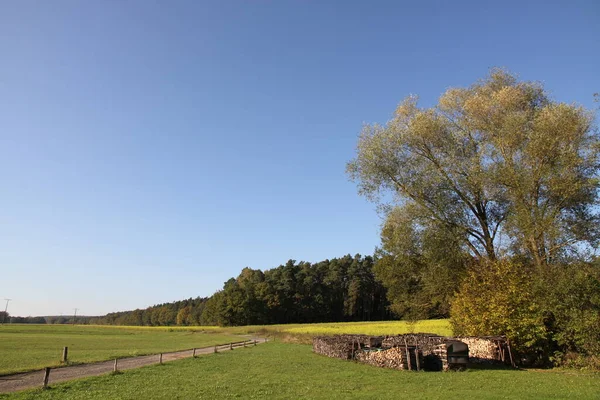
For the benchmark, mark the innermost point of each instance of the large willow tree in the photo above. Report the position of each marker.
(500, 166)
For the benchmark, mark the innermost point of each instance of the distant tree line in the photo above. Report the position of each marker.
(26, 320)
(7, 318)
(183, 312)
(340, 289)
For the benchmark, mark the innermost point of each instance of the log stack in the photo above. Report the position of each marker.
(487, 349)
(395, 358)
(440, 353)
(344, 346)
(431, 351)
(332, 346)
(426, 342)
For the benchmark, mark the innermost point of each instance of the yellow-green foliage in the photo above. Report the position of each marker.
(497, 298)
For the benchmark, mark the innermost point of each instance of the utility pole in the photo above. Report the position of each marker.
(5, 310)
(75, 315)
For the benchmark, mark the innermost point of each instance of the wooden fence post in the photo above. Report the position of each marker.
(417, 357)
(160, 359)
(407, 355)
(46, 377)
(65, 354)
(244, 343)
(216, 351)
(255, 342)
(230, 346)
(512, 362)
(115, 368)
(501, 354)
(194, 353)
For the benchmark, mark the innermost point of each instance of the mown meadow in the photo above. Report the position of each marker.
(278, 370)
(28, 347)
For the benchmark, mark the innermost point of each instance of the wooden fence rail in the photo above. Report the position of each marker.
(230, 345)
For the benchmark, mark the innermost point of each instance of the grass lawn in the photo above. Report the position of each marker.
(27, 347)
(292, 371)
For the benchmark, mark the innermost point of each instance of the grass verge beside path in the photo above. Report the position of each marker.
(31, 347)
(291, 371)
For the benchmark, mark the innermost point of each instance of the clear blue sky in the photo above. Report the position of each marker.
(152, 149)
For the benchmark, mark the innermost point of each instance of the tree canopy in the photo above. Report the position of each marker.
(499, 164)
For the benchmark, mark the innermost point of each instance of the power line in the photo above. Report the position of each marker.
(5, 310)
(75, 315)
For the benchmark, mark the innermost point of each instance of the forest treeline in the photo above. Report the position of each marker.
(340, 289)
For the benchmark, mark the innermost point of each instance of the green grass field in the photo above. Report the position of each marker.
(29, 347)
(292, 371)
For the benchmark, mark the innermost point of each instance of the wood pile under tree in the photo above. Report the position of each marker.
(488, 349)
(426, 351)
(395, 357)
(438, 359)
(426, 342)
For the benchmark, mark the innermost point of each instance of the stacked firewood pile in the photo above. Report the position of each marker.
(332, 346)
(344, 346)
(488, 349)
(395, 357)
(425, 342)
(439, 355)
(411, 351)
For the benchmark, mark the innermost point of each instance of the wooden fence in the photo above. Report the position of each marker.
(216, 349)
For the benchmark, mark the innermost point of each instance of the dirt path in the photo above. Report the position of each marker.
(28, 380)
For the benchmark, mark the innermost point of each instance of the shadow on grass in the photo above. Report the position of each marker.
(493, 367)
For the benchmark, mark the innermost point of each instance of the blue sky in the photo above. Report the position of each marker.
(151, 150)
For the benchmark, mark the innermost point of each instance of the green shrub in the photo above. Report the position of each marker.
(550, 314)
(570, 295)
(499, 298)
